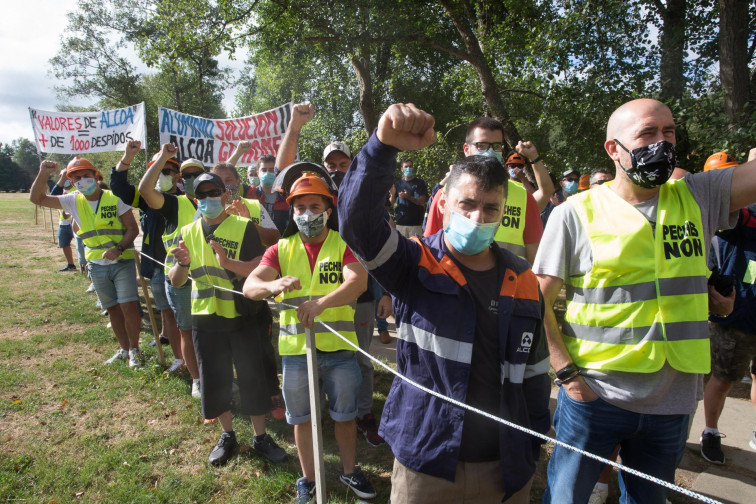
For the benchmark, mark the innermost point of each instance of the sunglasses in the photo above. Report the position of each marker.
(168, 171)
(189, 176)
(215, 193)
(484, 146)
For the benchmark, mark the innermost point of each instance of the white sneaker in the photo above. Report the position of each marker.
(196, 389)
(90, 289)
(598, 495)
(175, 366)
(136, 358)
(747, 379)
(121, 355)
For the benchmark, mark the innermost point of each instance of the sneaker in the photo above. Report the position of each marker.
(196, 389)
(278, 411)
(711, 447)
(175, 366)
(747, 379)
(69, 267)
(367, 426)
(90, 289)
(385, 337)
(226, 448)
(104, 313)
(599, 494)
(358, 484)
(120, 355)
(136, 358)
(163, 341)
(265, 445)
(752, 442)
(305, 491)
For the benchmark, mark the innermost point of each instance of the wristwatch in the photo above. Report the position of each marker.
(120, 247)
(567, 374)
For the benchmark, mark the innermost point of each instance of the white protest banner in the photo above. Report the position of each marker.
(83, 132)
(214, 140)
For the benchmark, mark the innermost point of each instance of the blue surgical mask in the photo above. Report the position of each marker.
(267, 179)
(254, 181)
(210, 207)
(408, 172)
(571, 187)
(67, 184)
(86, 186)
(490, 153)
(469, 237)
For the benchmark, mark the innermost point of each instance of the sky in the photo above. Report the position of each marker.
(30, 32)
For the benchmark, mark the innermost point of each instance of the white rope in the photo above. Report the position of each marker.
(630, 470)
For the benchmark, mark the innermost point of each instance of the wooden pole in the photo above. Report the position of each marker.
(317, 434)
(52, 226)
(44, 217)
(149, 307)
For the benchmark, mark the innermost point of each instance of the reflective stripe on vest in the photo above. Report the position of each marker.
(645, 300)
(185, 216)
(510, 234)
(207, 272)
(103, 231)
(326, 277)
(254, 209)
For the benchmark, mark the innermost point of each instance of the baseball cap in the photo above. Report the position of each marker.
(337, 147)
(192, 162)
(209, 177)
(570, 172)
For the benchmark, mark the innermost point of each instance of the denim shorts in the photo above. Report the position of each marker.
(340, 377)
(180, 301)
(114, 283)
(157, 286)
(65, 235)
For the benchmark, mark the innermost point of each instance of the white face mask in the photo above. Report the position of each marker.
(164, 183)
(86, 186)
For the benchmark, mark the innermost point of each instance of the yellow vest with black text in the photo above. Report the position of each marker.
(326, 277)
(101, 231)
(510, 234)
(186, 213)
(207, 272)
(254, 209)
(645, 299)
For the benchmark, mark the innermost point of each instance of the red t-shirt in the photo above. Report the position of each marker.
(531, 234)
(270, 257)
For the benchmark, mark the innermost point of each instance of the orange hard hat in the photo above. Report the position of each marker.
(515, 159)
(584, 183)
(309, 183)
(720, 160)
(172, 161)
(78, 164)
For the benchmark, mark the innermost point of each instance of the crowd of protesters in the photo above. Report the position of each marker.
(657, 267)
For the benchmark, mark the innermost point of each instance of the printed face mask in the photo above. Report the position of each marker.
(267, 179)
(210, 207)
(164, 183)
(652, 165)
(86, 186)
(254, 181)
(310, 224)
(232, 189)
(467, 236)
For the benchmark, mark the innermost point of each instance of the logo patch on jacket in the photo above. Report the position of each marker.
(525, 342)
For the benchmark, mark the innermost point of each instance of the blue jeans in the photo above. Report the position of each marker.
(340, 377)
(157, 284)
(180, 301)
(652, 444)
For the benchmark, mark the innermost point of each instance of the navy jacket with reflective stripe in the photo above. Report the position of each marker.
(435, 317)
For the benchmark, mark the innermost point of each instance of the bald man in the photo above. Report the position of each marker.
(633, 347)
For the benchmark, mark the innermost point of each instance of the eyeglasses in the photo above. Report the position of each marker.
(189, 176)
(484, 146)
(602, 181)
(215, 193)
(168, 171)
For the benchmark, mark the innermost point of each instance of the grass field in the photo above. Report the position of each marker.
(74, 430)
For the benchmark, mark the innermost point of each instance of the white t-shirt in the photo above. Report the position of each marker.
(68, 202)
(565, 250)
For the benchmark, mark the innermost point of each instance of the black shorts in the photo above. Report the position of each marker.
(731, 352)
(217, 352)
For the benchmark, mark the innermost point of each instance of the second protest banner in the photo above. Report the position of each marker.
(214, 140)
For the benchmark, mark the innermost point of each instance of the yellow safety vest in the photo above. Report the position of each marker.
(326, 277)
(207, 272)
(510, 234)
(102, 231)
(645, 299)
(254, 209)
(186, 213)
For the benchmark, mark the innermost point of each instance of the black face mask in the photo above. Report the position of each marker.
(652, 164)
(337, 177)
